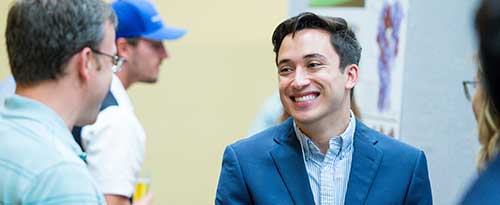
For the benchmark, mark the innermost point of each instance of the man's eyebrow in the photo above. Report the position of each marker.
(286, 60)
(315, 55)
(312, 55)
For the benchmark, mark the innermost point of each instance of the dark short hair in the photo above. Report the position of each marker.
(342, 38)
(42, 35)
(488, 29)
(133, 41)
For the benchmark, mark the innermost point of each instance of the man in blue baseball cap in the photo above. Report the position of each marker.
(115, 144)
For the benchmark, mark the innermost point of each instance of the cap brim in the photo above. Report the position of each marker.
(166, 33)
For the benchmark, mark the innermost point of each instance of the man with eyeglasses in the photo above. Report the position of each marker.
(56, 54)
(115, 144)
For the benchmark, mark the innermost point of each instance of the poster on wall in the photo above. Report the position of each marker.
(380, 26)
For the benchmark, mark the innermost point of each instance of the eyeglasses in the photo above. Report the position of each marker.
(117, 60)
(469, 89)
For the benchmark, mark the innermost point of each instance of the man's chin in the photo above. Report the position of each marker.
(88, 120)
(304, 118)
(149, 80)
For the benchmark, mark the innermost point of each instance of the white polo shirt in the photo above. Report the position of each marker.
(7, 88)
(115, 145)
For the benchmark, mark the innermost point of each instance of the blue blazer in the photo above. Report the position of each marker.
(486, 189)
(268, 168)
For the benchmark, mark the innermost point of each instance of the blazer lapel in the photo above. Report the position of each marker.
(287, 157)
(366, 160)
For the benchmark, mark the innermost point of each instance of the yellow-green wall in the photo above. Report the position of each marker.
(4, 63)
(209, 91)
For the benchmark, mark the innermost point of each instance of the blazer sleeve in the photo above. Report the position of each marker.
(419, 191)
(231, 188)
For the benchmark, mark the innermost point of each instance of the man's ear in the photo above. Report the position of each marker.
(352, 75)
(85, 64)
(122, 46)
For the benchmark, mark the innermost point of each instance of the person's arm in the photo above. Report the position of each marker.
(112, 199)
(121, 200)
(115, 152)
(419, 191)
(231, 188)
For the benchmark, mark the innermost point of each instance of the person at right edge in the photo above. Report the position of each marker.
(485, 190)
(322, 154)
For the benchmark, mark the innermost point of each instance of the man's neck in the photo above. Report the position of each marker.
(321, 131)
(125, 78)
(51, 95)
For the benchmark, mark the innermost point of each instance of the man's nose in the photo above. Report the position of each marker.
(301, 79)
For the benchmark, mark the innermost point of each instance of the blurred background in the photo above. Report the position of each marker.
(221, 72)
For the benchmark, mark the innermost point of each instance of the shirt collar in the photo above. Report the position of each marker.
(345, 139)
(16, 105)
(120, 93)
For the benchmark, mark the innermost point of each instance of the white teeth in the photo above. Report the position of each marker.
(305, 98)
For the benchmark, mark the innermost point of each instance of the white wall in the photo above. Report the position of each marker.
(436, 116)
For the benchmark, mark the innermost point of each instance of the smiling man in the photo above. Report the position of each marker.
(322, 154)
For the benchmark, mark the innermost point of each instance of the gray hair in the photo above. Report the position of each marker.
(42, 35)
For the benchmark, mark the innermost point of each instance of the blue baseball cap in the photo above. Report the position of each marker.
(140, 18)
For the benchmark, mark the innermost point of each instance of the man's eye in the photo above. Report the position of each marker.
(313, 65)
(156, 46)
(285, 69)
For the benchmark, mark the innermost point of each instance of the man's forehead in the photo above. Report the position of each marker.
(317, 34)
(319, 56)
(304, 50)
